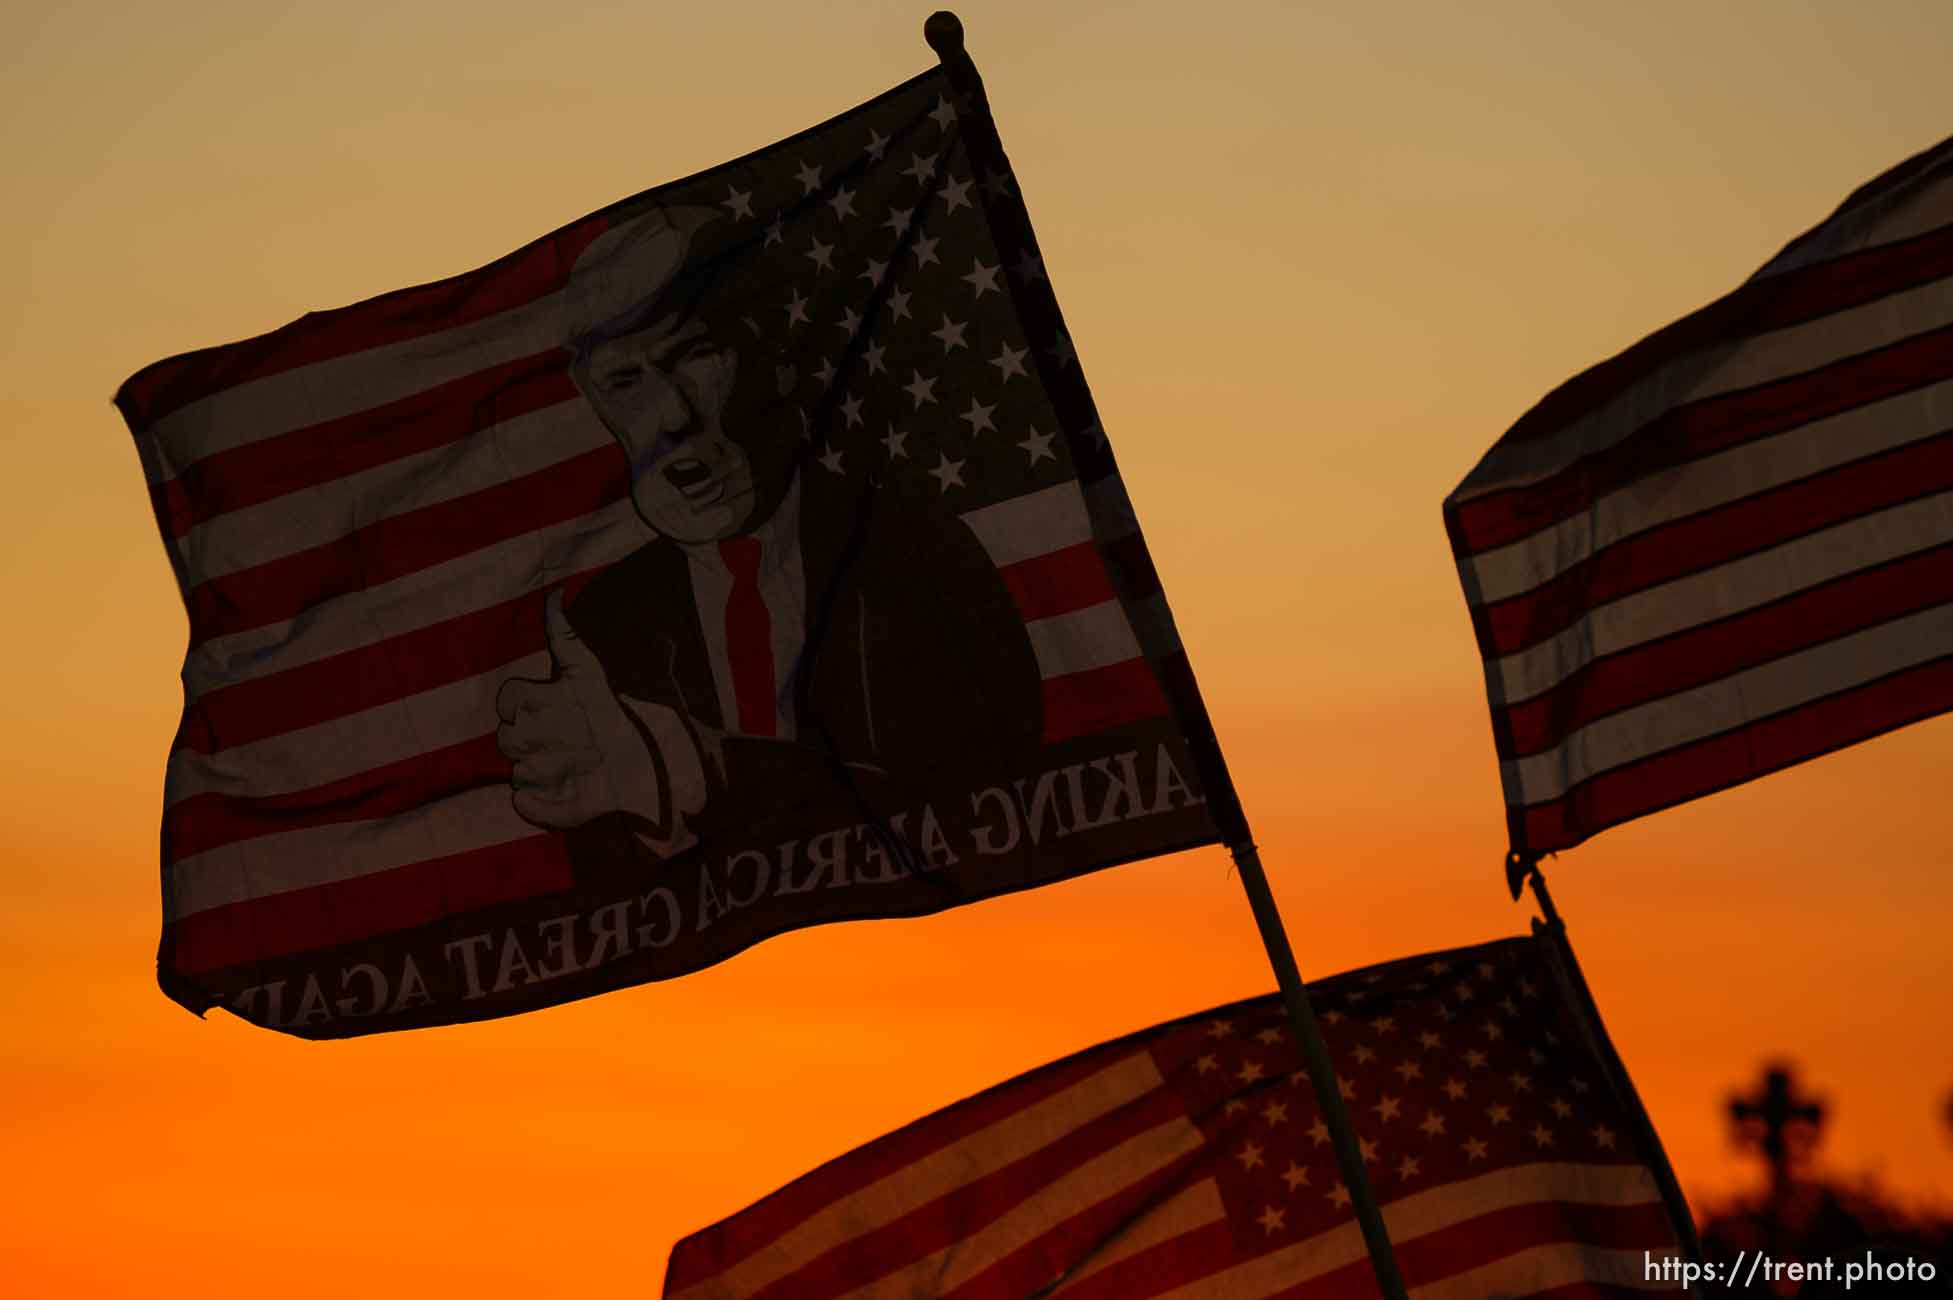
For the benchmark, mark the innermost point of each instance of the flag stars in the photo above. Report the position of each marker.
(1061, 349)
(1220, 1028)
(944, 112)
(1407, 1167)
(874, 272)
(1428, 1040)
(1408, 1070)
(1009, 361)
(1498, 1115)
(843, 204)
(1295, 1176)
(1249, 1156)
(1234, 1107)
(982, 278)
(1438, 967)
(921, 167)
(996, 185)
(1364, 1054)
(831, 458)
(1038, 447)
(948, 473)
(1492, 1031)
(1369, 1150)
(877, 143)
(1542, 1136)
(775, 233)
(1271, 1220)
(898, 304)
(1384, 1025)
(872, 354)
(824, 376)
(1206, 1064)
(1562, 1107)
(979, 418)
(925, 252)
(1520, 1082)
(797, 310)
(1339, 1196)
(1250, 1072)
(1387, 1108)
(809, 176)
(851, 410)
(1348, 1089)
(821, 255)
(896, 444)
(1475, 1059)
(739, 202)
(898, 219)
(921, 389)
(1269, 1036)
(1462, 991)
(951, 335)
(1432, 1125)
(956, 194)
(1474, 1150)
(850, 322)
(1508, 1006)
(1275, 1114)
(1454, 1089)
(1331, 1017)
(1604, 1137)
(1580, 1085)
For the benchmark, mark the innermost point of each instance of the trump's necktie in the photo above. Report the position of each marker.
(749, 638)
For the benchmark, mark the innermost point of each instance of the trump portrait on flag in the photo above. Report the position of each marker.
(791, 637)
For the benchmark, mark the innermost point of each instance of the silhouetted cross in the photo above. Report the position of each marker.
(1777, 1110)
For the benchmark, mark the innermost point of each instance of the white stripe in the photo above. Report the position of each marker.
(1722, 591)
(1011, 1138)
(1187, 1211)
(1728, 703)
(1684, 490)
(1034, 524)
(1922, 204)
(1076, 1189)
(327, 511)
(1413, 1216)
(475, 581)
(327, 390)
(351, 743)
(323, 855)
(1722, 368)
(1540, 1268)
(1093, 637)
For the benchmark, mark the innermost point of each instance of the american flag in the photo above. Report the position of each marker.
(367, 508)
(1189, 1160)
(1730, 548)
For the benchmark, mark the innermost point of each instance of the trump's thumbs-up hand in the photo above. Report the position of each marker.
(578, 754)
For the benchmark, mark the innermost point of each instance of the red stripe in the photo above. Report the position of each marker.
(965, 1209)
(1923, 161)
(381, 673)
(1078, 704)
(1160, 1268)
(1700, 542)
(1811, 617)
(529, 273)
(1756, 307)
(406, 543)
(708, 1253)
(1718, 762)
(1687, 432)
(1070, 1240)
(207, 821)
(419, 893)
(1058, 582)
(319, 453)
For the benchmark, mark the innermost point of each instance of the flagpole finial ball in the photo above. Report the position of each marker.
(944, 32)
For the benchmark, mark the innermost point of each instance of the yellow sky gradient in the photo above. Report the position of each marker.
(1315, 259)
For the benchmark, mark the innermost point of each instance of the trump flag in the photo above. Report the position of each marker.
(1189, 1160)
(745, 556)
(1730, 548)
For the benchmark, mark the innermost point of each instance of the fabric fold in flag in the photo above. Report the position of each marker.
(1730, 548)
(1188, 1160)
(746, 556)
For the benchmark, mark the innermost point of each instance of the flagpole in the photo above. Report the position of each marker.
(944, 32)
(1574, 982)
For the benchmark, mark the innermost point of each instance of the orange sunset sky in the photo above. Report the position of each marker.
(1315, 258)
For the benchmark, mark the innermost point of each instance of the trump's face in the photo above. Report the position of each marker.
(664, 390)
